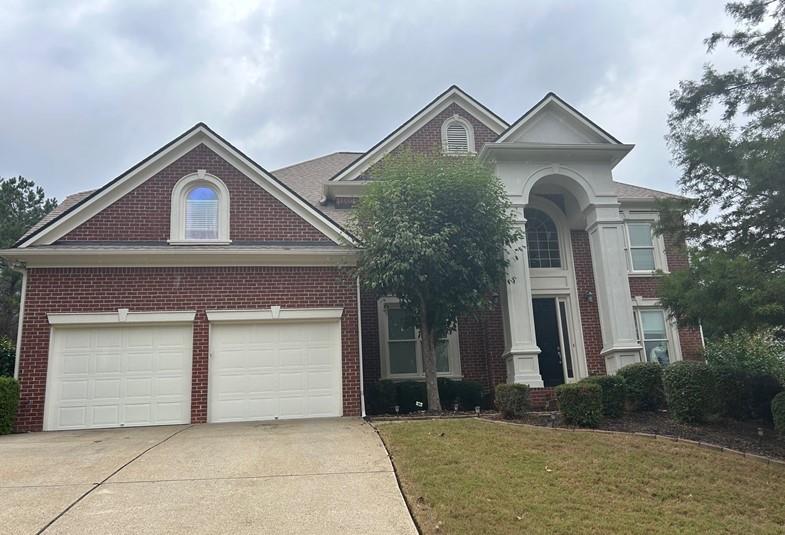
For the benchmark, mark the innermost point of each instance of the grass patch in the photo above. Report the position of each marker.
(469, 476)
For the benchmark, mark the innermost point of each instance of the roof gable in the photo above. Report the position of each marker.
(79, 212)
(452, 96)
(553, 121)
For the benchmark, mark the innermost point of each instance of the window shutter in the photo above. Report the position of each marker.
(457, 138)
(201, 219)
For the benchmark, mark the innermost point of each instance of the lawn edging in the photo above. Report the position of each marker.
(706, 445)
(397, 478)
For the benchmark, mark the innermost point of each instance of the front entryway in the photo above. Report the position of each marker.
(278, 370)
(551, 327)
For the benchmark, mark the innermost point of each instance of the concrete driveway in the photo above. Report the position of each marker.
(316, 476)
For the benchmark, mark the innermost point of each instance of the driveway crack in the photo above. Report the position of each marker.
(104, 480)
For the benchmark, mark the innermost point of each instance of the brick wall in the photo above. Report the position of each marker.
(144, 213)
(179, 288)
(590, 315)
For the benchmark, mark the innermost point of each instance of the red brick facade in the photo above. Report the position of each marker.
(185, 288)
(144, 213)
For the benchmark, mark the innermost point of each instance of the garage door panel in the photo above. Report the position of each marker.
(119, 376)
(273, 370)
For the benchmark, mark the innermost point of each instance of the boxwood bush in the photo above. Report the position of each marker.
(409, 394)
(643, 381)
(467, 394)
(745, 395)
(512, 400)
(690, 391)
(778, 411)
(381, 397)
(614, 394)
(9, 401)
(580, 403)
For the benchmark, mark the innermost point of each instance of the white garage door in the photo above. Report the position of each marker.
(267, 371)
(119, 376)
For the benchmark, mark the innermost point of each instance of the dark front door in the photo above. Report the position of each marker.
(546, 329)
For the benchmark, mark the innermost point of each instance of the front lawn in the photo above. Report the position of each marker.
(471, 476)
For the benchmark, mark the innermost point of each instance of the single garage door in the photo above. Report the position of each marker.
(109, 376)
(275, 370)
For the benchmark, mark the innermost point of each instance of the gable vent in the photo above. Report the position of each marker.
(457, 139)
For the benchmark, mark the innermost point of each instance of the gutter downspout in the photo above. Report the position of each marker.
(23, 271)
(360, 352)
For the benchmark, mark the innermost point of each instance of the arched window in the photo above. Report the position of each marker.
(201, 213)
(542, 240)
(200, 210)
(457, 136)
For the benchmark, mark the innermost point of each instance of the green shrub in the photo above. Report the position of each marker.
(614, 394)
(468, 394)
(7, 357)
(644, 385)
(763, 389)
(512, 400)
(409, 394)
(743, 395)
(580, 403)
(778, 411)
(689, 391)
(9, 401)
(381, 397)
(759, 353)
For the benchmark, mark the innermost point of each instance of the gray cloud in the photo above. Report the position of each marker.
(90, 88)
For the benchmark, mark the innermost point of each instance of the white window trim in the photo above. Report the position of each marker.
(453, 348)
(657, 240)
(179, 194)
(469, 134)
(674, 343)
(275, 313)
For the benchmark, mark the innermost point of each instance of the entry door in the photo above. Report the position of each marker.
(546, 329)
(267, 371)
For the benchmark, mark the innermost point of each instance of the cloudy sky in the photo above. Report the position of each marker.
(90, 88)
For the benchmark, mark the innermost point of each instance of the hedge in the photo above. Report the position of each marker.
(690, 391)
(580, 403)
(9, 401)
(7, 356)
(382, 397)
(512, 400)
(778, 411)
(745, 395)
(644, 385)
(614, 393)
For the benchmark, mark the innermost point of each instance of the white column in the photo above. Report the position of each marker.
(521, 352)
(606, 239)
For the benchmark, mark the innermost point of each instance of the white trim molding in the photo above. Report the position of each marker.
(657, 241)
(122, 315)
(275, 313)
(180, 193)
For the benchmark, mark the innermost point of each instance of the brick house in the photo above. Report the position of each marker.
(199, 287)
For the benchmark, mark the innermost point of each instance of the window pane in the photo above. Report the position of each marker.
(643, 259)
(653, 322)
(657, 351)
(396, 325)
(542, 240)
(201, 214)
(640, 234)
(403, 357)
(442, 357)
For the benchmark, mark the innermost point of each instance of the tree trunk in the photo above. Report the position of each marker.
(429, 364)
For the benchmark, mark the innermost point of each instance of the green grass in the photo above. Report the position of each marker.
(469, 476)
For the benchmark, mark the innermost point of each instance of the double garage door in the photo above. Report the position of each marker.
(135, 375)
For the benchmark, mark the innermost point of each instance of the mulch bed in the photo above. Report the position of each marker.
(728, 433)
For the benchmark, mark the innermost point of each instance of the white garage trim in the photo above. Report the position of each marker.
(275, 313)
(123, 315)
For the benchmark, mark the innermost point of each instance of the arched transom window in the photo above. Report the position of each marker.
(542, 240)
(200, 210)
(457, 136)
